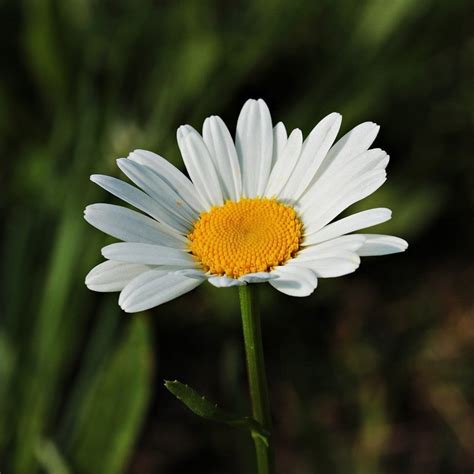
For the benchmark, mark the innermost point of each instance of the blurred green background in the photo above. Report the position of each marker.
(371, 374)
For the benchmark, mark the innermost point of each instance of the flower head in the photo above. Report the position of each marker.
(259, 210)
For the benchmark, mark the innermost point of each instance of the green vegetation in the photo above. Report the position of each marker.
(372, 374)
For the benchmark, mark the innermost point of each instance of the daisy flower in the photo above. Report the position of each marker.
(260, 209)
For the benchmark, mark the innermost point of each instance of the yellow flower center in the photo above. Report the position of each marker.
(247, 236)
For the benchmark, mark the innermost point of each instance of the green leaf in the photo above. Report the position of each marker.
(202, 407)
(113, 409)
(50, 459)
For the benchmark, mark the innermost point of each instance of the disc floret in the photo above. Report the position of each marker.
(246, 236)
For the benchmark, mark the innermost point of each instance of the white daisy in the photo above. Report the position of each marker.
(254, 211)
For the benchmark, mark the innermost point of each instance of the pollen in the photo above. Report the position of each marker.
(245, 236)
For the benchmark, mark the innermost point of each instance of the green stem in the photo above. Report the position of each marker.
(256, 375)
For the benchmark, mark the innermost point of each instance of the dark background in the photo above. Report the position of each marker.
(371, 374)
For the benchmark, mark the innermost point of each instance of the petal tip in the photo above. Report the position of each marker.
(122, 162)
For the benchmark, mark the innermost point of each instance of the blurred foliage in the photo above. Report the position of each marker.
(372, 374)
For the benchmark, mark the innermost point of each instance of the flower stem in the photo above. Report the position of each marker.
(256, 375)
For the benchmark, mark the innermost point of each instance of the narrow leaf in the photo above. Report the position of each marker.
(113, 408)
(202, 407)
(50, 458)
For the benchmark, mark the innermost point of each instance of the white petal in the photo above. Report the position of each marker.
(286, 163)
(131, 226)
(254, 144)
(315, 148)
(376, 244)
(200, 166)
(113, 276)
(138, 199)
(174, 208)
(357, 191)
(172, 175)
(191, 273)
(280, 138)
(334, 266)
(329, 186)
(360, 220)
(148, 254)
(331, 247)
(222, 149)
(153, 288)
(294, 280)
(258, 277)
(350, 145)
(225, 282)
